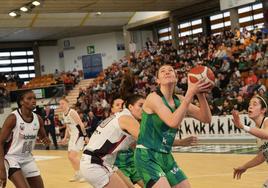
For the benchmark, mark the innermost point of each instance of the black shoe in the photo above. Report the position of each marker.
(47, 148)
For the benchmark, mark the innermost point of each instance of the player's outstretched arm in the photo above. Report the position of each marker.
(260, 133)
(154, 104)
(252, 163)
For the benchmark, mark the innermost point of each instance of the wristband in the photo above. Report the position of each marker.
(246, 128)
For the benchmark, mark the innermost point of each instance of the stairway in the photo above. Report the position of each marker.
(73, 94)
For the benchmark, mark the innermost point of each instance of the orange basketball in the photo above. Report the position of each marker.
(201, 72)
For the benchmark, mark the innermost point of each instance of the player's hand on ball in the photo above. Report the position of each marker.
(203, 74)
(201, 86)
(236, 119)
(238, 172)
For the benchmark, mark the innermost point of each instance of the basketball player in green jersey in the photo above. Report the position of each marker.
(162, 115)
(125, 159)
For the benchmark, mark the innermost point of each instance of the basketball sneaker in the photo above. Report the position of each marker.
(75, 178)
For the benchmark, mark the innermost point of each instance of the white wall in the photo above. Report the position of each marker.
(49, 58)
(120, 40)
(106, 44)
(139, 16)
(140, 38)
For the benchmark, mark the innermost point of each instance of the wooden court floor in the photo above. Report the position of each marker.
(203, 170)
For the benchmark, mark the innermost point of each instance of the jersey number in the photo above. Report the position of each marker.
(27, 147)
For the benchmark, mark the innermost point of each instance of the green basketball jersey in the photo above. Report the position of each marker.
(154, 133)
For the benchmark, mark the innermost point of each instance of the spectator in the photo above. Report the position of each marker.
(50, 125)
(251, 79)
(92, 123)
(60, 125)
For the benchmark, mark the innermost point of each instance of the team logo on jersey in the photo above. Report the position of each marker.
(174, 170)
(35, 128)
(26, 137)
(164, 141)
(22, 126)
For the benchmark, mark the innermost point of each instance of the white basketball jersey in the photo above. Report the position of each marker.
(23, 137)
(263, 144)
(109, 138)
(70, 123)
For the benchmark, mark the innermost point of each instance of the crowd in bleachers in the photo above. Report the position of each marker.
(13, 81)
(238, 59)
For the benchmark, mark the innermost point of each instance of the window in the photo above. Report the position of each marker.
(18, 53)
(4, 62)
(196, 22)
(220, 22)
(20, 68)
(245, 19)
(185, 33)
(165, 30)
(244, 9)
(214, 34)
(190, 28)
(258, 16)
(199, 30)
(29, 52)
(16, 61)
(216, 17)
(31, 60)
(216, 26)
(250, 16)
(257, 6)
(165, 38)
(32, 75)
(4, 54)
(20, 61)
(164, 34)
(24, 75)
(31, 67)
(5, 69)
(188, 24)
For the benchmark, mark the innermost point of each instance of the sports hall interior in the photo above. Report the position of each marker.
(81, 49)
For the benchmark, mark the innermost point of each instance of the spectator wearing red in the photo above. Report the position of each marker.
(251, 79)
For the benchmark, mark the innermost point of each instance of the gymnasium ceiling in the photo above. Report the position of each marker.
(55, 19)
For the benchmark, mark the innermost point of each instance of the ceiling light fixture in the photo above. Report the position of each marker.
(24, 9)
(36, 3)
(13, 14)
